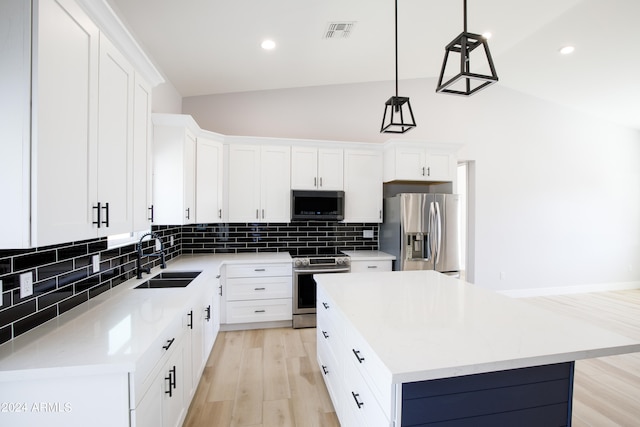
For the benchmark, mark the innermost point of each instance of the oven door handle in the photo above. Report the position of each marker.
(326, 270)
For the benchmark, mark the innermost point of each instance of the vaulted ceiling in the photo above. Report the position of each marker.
(212, 46)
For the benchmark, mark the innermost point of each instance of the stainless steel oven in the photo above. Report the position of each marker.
(304, 285)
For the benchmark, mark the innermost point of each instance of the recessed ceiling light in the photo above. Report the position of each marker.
(567, 50)
(268, 44)
(487, 35)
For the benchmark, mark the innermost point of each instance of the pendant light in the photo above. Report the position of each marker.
(466, 83)
(397, 108)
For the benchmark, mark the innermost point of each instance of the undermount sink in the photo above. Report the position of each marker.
(170, 279)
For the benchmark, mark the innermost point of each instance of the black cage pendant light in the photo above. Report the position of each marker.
(397, 108)
(465, 82)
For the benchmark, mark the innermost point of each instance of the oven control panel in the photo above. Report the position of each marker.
(311, 262)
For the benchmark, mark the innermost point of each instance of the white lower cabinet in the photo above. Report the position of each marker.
(163, 404)
(352, 374)
(370, 266)
(258, 292)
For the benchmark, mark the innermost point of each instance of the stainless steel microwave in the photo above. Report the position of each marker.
(317, 205)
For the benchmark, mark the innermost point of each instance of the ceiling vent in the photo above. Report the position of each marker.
(339, 30)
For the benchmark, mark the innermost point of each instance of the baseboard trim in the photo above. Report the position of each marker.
(225, 327)
(563, 290)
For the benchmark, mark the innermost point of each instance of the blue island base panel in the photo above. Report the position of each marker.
(538, 396)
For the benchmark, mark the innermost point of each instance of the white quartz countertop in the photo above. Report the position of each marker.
(424, 325)
(110, 332)
(369, 256)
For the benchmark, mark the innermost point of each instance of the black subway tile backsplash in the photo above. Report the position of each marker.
(63, 276)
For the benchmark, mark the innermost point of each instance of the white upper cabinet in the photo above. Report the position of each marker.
(142, 205)
(419, 162)
(67, 124)
(208, 181)
(115, 141)
(174, 169)
(363, 185)
(314, 168)
(64, 138)
(259, 183)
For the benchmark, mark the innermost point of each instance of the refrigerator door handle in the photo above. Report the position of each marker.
(438, 221)
(431, 234)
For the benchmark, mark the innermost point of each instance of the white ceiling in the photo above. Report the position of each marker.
(211, 47)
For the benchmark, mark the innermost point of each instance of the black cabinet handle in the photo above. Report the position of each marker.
(190, 324)
(150, 209)
(220, 287)
(355, 397)
(326, 335)
(326, 306)
(325, 370)
(357, 354)
(260, 311)
(169, 392)
(208, 311)
(98, 207)
(106, 208)
(169, 342)
(188, 213)
(172, 373)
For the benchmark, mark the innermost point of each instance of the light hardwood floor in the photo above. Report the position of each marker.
(270, 377)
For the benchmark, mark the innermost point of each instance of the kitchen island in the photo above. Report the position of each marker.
(417, 347)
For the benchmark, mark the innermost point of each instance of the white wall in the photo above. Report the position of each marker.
(166, 99)
(557, 192)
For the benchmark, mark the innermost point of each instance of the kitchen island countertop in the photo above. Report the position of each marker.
(424, 325)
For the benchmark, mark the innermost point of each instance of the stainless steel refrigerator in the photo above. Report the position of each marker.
(422, 231)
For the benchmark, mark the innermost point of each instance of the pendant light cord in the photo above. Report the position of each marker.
(464, 4)
(396, 23)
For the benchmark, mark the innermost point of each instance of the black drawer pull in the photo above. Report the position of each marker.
(208, 311)
(172, 373)
(325, 370)
(326, 335)
(326, 306)
(355, 397)
(259, 269)
(259, 289)
(372, 266)
(169, 342)
(190, 324)
(357, 354)
(169, 392)
(260, 311)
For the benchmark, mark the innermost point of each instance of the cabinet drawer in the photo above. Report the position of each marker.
(259, 310)
(155, 357)
(258, 288)
(370, 367)
(332, 374)
(359, 400)
(258, 270)
(370, 266)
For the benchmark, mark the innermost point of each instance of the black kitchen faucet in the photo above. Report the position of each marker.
(139, 268)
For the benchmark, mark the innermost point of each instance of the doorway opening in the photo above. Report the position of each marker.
(466, 190)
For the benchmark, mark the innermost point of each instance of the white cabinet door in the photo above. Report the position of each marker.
(15, 118)
(259, 183)
(275, 184)
(174, 150)
(64, 124)
(115, 141)
(314, 168)
(208, 181)
(189, 172)
(304, 168)
(173, 390)
(363, 186)
(244, 183)
(440, 166)
(141, 155)
(410, 164)
(330, 169)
